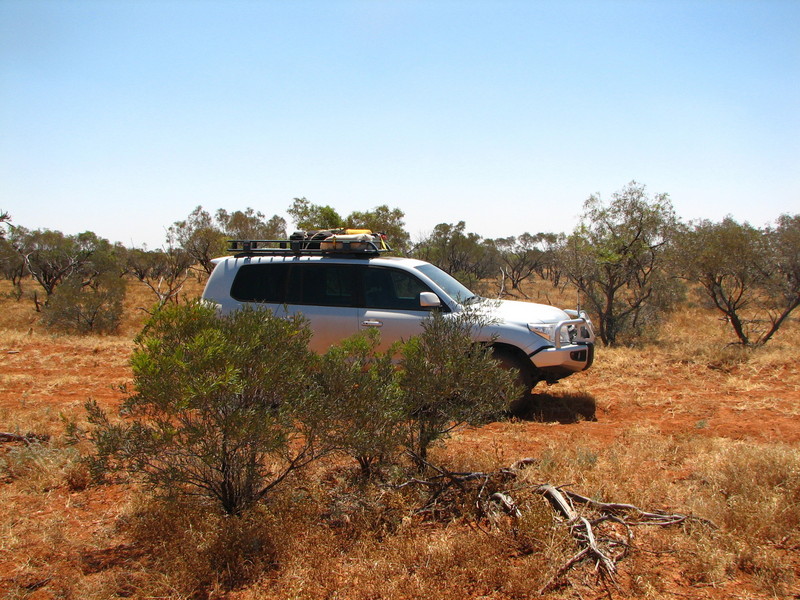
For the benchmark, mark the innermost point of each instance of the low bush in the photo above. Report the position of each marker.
(360, 387)
(78, 308)
(224, 407)
(447, 381)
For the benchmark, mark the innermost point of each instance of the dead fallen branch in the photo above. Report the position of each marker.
(641, 517)
(582, 531)
(601, 530)
(28, 438)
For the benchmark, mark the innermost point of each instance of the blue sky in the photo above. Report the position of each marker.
(121, 116)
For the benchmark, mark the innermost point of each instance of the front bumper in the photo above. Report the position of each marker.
(563, 359)
(569, 358)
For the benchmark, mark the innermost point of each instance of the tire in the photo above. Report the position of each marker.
(512, 359)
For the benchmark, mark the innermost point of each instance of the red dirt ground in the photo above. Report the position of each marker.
(45, 380)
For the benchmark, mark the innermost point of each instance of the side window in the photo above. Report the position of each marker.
(322, 285)
(260, 283)
(392, 289)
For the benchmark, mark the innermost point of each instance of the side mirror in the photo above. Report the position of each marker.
(429, 300)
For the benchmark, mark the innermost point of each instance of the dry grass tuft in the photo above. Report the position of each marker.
(755, 490)
(195, 551)
(751, 492)
(39, 467)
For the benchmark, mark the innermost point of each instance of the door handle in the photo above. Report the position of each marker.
(372, 323)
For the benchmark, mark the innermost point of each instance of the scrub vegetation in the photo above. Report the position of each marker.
(161, 452)
(686, 425)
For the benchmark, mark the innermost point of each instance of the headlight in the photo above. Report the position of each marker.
(548, 332)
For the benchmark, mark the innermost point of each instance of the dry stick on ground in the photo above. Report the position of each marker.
(581, 528)
(644, 517)
(582, 531)
(28, 438)
(441, 482)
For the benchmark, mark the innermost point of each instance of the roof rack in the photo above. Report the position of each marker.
(314, 243)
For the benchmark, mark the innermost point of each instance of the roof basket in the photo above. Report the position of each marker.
(340, 241)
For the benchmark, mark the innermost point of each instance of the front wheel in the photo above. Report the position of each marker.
(513, 359)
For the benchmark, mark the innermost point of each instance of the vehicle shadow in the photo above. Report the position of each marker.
(544, 407)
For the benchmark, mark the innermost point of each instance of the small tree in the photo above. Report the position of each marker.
(750, 275)
(448, 381)
(203, 237)
(250, 225)
(307, 215)
(199, 237)
(51, 258)
(104, 258)
(4, 218)
(12, 266)
(80, 308)
(224, 408)
(783, 272)
(519, 258)
(164, 272)
(615, 258)
(386, 220)
(464, 255)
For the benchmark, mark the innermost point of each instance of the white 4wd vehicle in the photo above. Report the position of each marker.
(343, 285)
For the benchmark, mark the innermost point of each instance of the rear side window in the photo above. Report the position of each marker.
(284, 283)
(322, 285)
(261, 283)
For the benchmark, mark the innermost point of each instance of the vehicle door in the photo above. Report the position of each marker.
(391, 303)
(325, 294)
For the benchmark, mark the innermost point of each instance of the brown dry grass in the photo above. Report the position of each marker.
(686, 424)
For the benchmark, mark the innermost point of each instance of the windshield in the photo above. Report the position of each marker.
(454, 288)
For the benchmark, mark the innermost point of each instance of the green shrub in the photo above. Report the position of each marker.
(361, 387)
(447, 380)
(224, 407)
